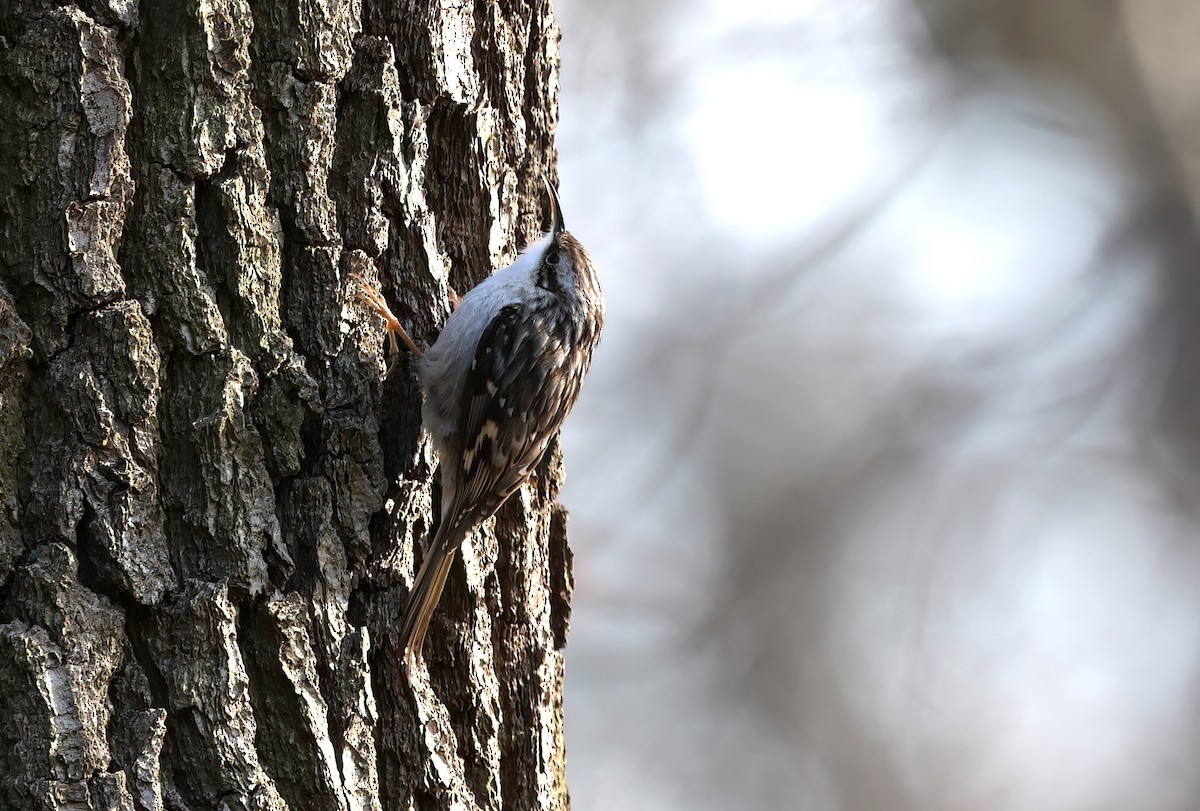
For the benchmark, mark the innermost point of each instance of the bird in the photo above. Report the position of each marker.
(498, 382)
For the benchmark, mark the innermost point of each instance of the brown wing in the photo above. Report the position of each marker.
(519, 389)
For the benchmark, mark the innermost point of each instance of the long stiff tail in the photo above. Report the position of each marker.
(423, 599)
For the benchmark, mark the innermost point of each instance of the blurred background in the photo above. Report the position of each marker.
(883, 486)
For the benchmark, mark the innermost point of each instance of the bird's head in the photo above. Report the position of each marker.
(563, 266)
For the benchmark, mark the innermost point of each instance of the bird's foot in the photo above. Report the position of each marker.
(374, 299)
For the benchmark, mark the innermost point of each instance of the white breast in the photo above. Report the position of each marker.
(444, 366)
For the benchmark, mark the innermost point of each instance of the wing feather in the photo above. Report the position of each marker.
(516, 395)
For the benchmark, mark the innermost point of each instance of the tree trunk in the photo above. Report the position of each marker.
(209, 499)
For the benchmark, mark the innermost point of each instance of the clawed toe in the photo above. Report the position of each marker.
(374, 299)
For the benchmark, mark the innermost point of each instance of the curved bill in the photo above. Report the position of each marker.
(556, 208)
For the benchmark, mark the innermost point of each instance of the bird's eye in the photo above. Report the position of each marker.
(552, 259)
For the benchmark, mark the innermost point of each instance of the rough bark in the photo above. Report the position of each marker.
(209, 500)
